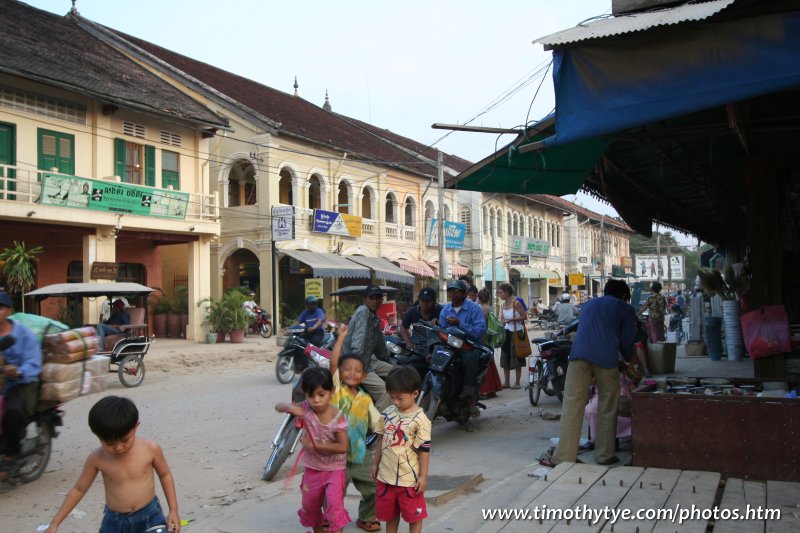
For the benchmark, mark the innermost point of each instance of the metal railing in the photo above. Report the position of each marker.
(25, 186)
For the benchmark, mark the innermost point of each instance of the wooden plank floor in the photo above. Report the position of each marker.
(573, 486)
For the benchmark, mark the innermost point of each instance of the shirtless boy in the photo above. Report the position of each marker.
(127, 464)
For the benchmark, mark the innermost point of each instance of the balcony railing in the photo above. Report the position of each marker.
(392, 230)
(409, 233)
(25, 186)
(369, 227)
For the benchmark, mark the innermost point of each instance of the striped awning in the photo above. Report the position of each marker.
(383, 269)
(419, 268)
(329, 265)
(456, 270)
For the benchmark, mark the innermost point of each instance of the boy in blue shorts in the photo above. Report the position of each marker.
(352, 400)
(401, 462)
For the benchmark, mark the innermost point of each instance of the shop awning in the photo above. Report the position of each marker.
(455, 270)
(383, 269)
(527, 168)
(419, 268)
(328, 265)
(534, 273)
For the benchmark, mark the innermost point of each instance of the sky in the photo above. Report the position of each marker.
(401, 65)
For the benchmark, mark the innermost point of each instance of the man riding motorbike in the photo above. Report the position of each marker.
(426, 309)
(467, 316)
(21, 370)
(312, 318)
(365, 338)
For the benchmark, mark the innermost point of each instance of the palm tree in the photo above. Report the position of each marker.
(20, 267)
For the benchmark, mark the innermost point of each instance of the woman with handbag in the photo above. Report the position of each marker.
(514, 320)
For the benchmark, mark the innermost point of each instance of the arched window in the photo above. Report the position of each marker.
(466, 219)
(343, 198)
(430, 214)
(366, 203)
(447, 212)
(242, 184)
(409, 212)
(314, 192)
(391, 202)
(285, 187)
(499, 223)
(485, 222)
(516, 225)
(510, 228)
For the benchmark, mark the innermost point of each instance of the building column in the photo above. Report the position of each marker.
(199, 269)
(298, 188)
(102, 246)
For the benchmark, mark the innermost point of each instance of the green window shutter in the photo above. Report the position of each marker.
(150, 166)
(55, 150)
(119, 158)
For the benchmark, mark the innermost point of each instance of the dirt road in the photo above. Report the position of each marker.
(211, 409)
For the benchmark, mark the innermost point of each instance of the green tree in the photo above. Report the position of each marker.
(20, 266)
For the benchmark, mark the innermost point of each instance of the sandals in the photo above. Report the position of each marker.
(515, 387)
(547, 462)
(368, 525)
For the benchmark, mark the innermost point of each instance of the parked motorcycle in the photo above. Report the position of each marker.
(547, 368)
(440, 393)
(262, 324)
(294, 358)
(38, 440)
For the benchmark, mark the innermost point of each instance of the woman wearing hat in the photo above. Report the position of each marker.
(312, 318)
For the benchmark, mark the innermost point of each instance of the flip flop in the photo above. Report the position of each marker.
(506, 386)
(547, 462)
(515, 387)
(368, 525)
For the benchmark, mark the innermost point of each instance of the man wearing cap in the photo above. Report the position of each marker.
(312, 319)
(250, 306)
(365, 338)
(119, 317)
(467, 316)
(21, 368)
(426, 309)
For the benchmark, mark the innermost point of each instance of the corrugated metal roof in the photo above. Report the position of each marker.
(632, 23)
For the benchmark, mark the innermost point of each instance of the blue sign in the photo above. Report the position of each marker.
(334, 223)
(454, 234)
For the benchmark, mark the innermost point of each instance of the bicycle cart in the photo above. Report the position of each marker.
(126, 349)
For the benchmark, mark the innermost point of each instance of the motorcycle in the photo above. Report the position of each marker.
(401, 355)
(440, 393)
(262, 324)
(288, 436)
(294, 358)
(547, 369)
(37, 443)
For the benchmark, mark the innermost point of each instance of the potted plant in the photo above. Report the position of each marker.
(233, 300)
(20, 268)
(217, 318)
(160, 311)
(174, 318)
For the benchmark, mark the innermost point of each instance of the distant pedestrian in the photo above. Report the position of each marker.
(656, 305)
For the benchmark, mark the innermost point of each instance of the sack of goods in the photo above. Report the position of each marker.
(62, 382)
(71, 346)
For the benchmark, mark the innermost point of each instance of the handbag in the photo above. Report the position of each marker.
(522, 346)
(766, 331)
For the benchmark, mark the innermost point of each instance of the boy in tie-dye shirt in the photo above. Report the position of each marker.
(356, 405)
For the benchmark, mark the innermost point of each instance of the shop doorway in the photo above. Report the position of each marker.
(242, 270)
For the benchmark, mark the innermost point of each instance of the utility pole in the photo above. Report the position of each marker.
(494, 269)
(442, 258)
(658, 253)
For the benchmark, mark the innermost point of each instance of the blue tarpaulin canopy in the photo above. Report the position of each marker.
(612, 84)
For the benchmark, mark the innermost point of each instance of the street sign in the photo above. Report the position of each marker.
(520, 259)
(282, 222)
(577, 279)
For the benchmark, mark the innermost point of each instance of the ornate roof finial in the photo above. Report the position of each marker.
(74, 9)
(295, 86)
(327, 105)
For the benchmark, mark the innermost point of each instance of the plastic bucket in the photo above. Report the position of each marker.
(712, 336)
(734, 345)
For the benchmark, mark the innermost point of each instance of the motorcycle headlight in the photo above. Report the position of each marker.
(392, 347)
(455, 342)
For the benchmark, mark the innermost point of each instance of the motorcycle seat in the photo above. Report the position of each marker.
(327, 354)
